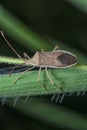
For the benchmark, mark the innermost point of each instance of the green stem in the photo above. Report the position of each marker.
(10, 60)
(72, 79)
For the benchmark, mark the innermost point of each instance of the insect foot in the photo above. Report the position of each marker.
(51, 81)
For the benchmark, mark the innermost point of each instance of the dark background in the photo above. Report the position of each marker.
(62, 21)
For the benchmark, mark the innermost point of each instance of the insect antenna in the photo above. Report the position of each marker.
(10, 45)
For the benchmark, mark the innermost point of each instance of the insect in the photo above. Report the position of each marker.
(53, 59)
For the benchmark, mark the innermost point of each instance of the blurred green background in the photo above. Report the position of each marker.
(52, 21)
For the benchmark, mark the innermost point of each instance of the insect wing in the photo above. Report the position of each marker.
(57, 59)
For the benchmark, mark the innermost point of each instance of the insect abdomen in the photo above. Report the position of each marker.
(57, 59)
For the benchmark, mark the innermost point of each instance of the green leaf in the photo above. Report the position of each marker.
(16, 29)
(80, 4)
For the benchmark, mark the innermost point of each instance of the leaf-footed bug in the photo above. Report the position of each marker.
(53, 59)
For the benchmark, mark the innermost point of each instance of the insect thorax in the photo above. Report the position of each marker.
(34, 60)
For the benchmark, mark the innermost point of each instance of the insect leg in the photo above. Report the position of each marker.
(51, 81)
(39, 74)
(26, 56)
(22, 73)
(56, 48)
(39, 79)
(42, 50)
(16, 66)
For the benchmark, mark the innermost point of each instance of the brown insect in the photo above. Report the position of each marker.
(54, 59)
